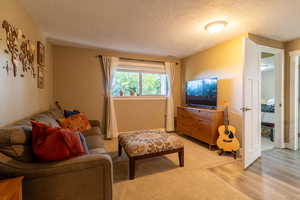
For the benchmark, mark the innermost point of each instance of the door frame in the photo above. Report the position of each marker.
(279, 69)
(294, 100)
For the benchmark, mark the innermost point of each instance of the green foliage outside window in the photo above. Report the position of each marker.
(128, 84)
(125, 82)
(151, 84)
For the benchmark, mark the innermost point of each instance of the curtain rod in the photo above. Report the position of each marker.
(138, 59)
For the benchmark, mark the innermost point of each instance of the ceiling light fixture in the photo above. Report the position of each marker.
(216, 26)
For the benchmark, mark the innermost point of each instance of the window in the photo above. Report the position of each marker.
(136, 83)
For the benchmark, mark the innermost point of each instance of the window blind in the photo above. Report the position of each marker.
(141, 66)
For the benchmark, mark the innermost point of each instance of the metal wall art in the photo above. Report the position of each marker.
(41, 77)
(19, 49)
(40, 53)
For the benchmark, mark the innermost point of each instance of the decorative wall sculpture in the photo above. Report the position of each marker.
(19, 49)
(26, 56)
(41, 77)
(40, 53)
(12, 45)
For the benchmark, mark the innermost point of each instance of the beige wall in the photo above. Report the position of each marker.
(78, 83)
(20, 97)
(224, 61)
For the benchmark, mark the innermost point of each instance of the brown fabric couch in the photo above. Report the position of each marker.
(87, 177)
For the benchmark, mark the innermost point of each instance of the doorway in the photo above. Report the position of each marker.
(268, 112)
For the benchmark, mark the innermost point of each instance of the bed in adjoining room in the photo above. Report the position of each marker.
(268, 119)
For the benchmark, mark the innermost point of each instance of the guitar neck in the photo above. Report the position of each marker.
(226, 121)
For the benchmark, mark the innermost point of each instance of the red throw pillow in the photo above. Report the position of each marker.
(53, 144)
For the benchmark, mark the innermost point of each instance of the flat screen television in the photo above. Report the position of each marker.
(202, 93)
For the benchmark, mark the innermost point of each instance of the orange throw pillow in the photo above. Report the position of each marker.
(78, 122)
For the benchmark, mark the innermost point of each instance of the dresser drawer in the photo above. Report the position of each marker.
(198, 123)
(196, 114)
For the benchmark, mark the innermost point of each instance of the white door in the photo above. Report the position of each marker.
(251, 103)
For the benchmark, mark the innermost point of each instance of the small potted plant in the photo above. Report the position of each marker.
(132, 91)
(121, 93)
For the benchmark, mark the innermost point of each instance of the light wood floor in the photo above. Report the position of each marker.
(276, 175)
(207, 176)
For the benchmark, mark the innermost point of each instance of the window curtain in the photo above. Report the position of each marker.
(109, 65)
(170, 71)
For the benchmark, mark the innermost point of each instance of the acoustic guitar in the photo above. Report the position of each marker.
(227, 140)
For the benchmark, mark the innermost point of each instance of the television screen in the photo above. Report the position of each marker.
(202, 92)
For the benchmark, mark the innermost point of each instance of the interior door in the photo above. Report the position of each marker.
(251, 104)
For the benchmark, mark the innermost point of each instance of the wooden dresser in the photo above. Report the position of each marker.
(199, 123)
(11, 189)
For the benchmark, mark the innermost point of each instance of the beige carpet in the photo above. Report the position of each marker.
(161, 178)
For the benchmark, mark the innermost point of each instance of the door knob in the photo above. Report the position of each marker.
(245, 109)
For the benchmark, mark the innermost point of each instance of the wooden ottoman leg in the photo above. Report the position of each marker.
(181, 157)
(131, 168)
(120, 149)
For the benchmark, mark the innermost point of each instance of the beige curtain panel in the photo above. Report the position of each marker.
(109, 65)
(170, 71)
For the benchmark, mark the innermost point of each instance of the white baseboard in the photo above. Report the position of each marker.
(289, 146)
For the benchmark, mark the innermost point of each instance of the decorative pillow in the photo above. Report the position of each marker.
(78, 122)
(69, 113)
(53, 144)
(84, 144)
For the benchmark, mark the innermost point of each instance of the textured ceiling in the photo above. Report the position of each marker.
(161, 27)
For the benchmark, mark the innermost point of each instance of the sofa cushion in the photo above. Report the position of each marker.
(56, 113)
(92, 131)
(16, 143)
(18, 152)
(94, 141)
(97, 151)
(25, 123)
(45, 118)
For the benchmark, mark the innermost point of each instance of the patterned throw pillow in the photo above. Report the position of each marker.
(78, 122)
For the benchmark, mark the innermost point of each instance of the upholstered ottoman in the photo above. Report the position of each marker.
(147, 144)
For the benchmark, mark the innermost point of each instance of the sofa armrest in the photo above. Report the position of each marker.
(35, 170)
(85, 177)
(95, 123)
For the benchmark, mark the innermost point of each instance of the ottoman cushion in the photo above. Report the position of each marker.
(137, 143)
